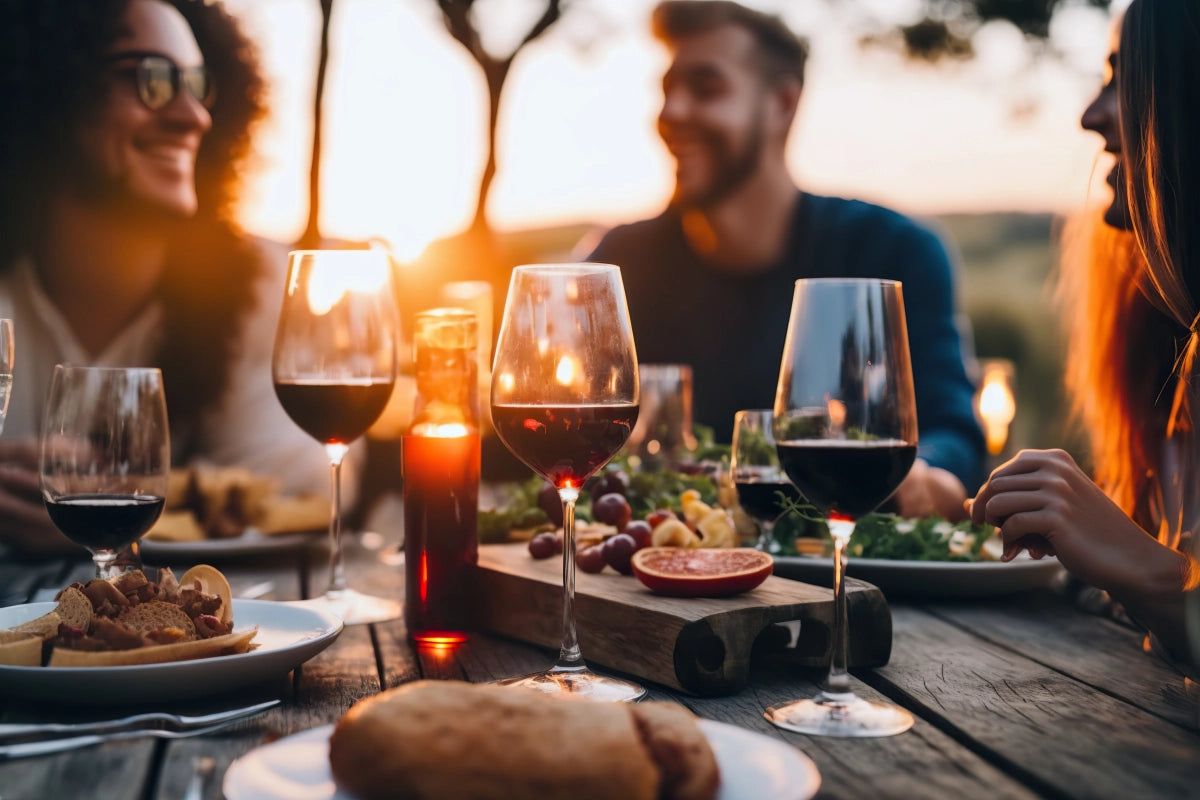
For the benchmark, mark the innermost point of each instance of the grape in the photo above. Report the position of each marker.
(641, 532)
(613, 481)
(612, 509)
(590, 559)
(543, 545)
(549, 501)
(618, 550)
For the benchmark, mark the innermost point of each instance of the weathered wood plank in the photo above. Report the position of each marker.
(1058, 734)
(1097, 651)
(112, 771)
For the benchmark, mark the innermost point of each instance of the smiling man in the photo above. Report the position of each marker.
(709, 281)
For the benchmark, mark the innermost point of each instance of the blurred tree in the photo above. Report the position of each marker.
(311, 238)
(946, 28)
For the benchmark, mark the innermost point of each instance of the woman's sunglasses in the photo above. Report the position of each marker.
(158, 79)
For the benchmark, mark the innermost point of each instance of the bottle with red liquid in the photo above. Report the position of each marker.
(440, 463)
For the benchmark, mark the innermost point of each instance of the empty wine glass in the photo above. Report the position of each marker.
(105, 457)
(6, 366)
(564, 400)
(763, 488)
(846, 431)
(334, 368)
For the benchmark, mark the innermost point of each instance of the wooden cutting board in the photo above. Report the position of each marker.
(700, 645)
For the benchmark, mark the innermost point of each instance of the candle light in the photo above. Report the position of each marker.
(440, 461)
(996, 404)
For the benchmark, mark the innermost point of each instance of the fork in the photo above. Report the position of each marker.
(139, 721)
(48, 746)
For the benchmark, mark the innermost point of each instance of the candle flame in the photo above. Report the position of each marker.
(996, 406)
(444, 430)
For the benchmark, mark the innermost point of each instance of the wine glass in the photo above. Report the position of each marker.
(334, 368)
(564, 400)
(105, 457)
(6, 366)
(762, 486)
(846, 431)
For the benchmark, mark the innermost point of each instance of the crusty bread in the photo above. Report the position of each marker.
(228, 644)
(436, 739)
(176, 526)
(157, 616)
(304, 512)
(73, 608)
(45, 626)
(678, 747)
(20, 649)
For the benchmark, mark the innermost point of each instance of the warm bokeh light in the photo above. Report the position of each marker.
(405, 117)
(566, 370)
(336, 272)
(996, 404)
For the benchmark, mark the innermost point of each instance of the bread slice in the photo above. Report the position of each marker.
(176, 526)
(157, 616)
(483, 742)
(680, 749)
(229, 644)
(304, 512)
(75, 608)
(20, 649)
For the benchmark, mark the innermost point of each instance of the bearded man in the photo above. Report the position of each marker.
(709, 281)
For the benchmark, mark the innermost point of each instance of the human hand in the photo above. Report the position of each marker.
(24, 524)
(930, 490)
(1043, 502)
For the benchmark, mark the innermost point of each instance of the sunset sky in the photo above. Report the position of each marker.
(405, 117)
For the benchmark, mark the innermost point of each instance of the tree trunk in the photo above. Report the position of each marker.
(311, 238)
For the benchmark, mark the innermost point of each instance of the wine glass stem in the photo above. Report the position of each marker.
(838, 681)
(104, 561)
(569, 657)
(337, 569)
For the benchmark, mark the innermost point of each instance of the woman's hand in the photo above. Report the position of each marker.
(930, 490)
(24, 524)
(1042, 501)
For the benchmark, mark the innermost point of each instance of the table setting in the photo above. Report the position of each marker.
(791, 676)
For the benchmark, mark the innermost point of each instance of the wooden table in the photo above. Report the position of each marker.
(1018, 697)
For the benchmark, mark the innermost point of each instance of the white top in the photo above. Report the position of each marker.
(246, 427)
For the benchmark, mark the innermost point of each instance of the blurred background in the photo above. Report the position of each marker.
(472, 136)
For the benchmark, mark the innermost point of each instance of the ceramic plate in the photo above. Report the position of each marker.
(250, 543)
(753, 767)
(928, 578)
(288, 635)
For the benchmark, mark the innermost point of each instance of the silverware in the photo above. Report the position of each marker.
(203, 768)
(48, 746)
(137, 723)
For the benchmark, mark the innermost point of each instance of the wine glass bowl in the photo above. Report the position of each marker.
(763, 488)
(845, 426)
(105, 457)
(564, 400)
(334, 367)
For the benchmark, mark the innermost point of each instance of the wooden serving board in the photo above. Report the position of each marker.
(700, 645)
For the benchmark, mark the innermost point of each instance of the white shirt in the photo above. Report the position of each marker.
(246, 426)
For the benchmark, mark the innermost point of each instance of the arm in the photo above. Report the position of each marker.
(951, 444)
(1042, 501)
(24, 524)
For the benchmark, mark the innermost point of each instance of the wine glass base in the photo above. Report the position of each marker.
(581, 683)
(844, 715)
(356, 608)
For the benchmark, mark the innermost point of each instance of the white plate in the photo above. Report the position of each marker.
(250, 543)
(288, 635)
(928, 578)
(753, 767)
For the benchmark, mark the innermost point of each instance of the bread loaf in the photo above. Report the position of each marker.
(441, 739)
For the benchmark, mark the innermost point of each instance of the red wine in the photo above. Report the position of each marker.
(760, 498)
(564, 444)
(104, 521)
(333, 412)
(847, 476)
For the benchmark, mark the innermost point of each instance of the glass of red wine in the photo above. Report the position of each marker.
(334, 368)
(564, 401)
(763, 488)
(845, 427)
(105, 457)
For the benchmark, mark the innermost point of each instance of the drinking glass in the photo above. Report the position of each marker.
(564, 400)
(105, 457)
(762, 485)
(845, 428)
(334, 368)
(663, 437)
(6, 366)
